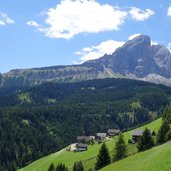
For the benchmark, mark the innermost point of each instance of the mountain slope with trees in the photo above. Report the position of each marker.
(88, 157)
(157, 158)
(58, 113)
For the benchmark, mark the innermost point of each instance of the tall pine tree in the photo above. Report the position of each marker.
(78, 166)
(51, 167)
(61, 167)
(103, 158)
(146, 141)
(161, 135)
(120, 149)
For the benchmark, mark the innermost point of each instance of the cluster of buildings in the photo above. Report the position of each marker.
(82, 141)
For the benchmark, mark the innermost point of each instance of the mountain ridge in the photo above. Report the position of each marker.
(137, 59)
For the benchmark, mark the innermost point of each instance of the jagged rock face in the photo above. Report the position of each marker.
(133, 57)
(163, 58)
(136, 59)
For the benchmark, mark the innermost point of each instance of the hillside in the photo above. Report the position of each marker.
(88, 157)
(95, 91)
(136, 59)
(155, 159)
(59, 112)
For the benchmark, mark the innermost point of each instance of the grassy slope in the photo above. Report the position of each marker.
(155, 159)
(88, 157)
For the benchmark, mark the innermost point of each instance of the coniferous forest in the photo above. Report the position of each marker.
(36, 121)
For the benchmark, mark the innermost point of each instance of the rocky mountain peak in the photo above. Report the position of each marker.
(139, 58)
(136, 59)
(141, 40)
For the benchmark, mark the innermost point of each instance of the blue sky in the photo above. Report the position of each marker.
(37, 33)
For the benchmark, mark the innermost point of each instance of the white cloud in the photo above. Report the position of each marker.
(4, 19)
(154, 43)
(139, 14)
(33, 23)
(2, 23)
(70, 18)
(133, 36)
(169, 11)
(95, 52)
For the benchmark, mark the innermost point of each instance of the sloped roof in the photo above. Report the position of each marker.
(81, 145)
(113, 131)
(101, 134)
(138, 133)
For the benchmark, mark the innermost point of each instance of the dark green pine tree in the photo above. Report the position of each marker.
(146, 141)
(103, 158)
(168, 136)
(74, 167)
(161, 135)
(120, 149)
(78, 166)
(51, 167)
(61, 167)
(167, 114)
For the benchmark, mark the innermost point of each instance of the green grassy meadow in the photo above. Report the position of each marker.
(88, 157)
(155, 159)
